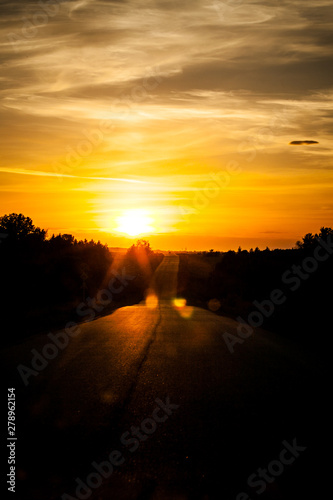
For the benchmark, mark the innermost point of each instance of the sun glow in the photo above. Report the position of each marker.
(134, 222)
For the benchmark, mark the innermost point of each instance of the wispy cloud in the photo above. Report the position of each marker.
(302, 143)
(39, 173)
(188, 87)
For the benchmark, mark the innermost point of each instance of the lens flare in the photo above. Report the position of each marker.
(151, 300)
(214, 305)
(180, 305)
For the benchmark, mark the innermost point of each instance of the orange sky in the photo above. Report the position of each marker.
(178, 115)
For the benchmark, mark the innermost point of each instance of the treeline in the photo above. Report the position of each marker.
(44, 280)
(241, 284)
(142, 261)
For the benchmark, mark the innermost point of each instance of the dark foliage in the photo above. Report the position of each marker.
(44, 280)
(240, 280)
(142, 261)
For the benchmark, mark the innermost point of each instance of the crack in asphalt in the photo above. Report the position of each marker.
(118, 414)
(150, 341)
(144, 357)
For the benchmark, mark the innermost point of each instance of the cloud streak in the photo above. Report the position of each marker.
(302, 143)
(233, 81)
(39, 173)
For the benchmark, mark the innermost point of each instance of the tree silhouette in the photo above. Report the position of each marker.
(325, 232)
(142, 261)
(307, 241)
(140, 246)
(18, 227)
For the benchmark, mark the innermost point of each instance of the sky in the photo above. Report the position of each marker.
(196, 124)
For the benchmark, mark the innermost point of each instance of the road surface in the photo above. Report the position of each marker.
(108, 389)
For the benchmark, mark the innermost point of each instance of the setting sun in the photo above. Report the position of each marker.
(134, 222)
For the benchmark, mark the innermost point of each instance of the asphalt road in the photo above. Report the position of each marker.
(156, 384)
